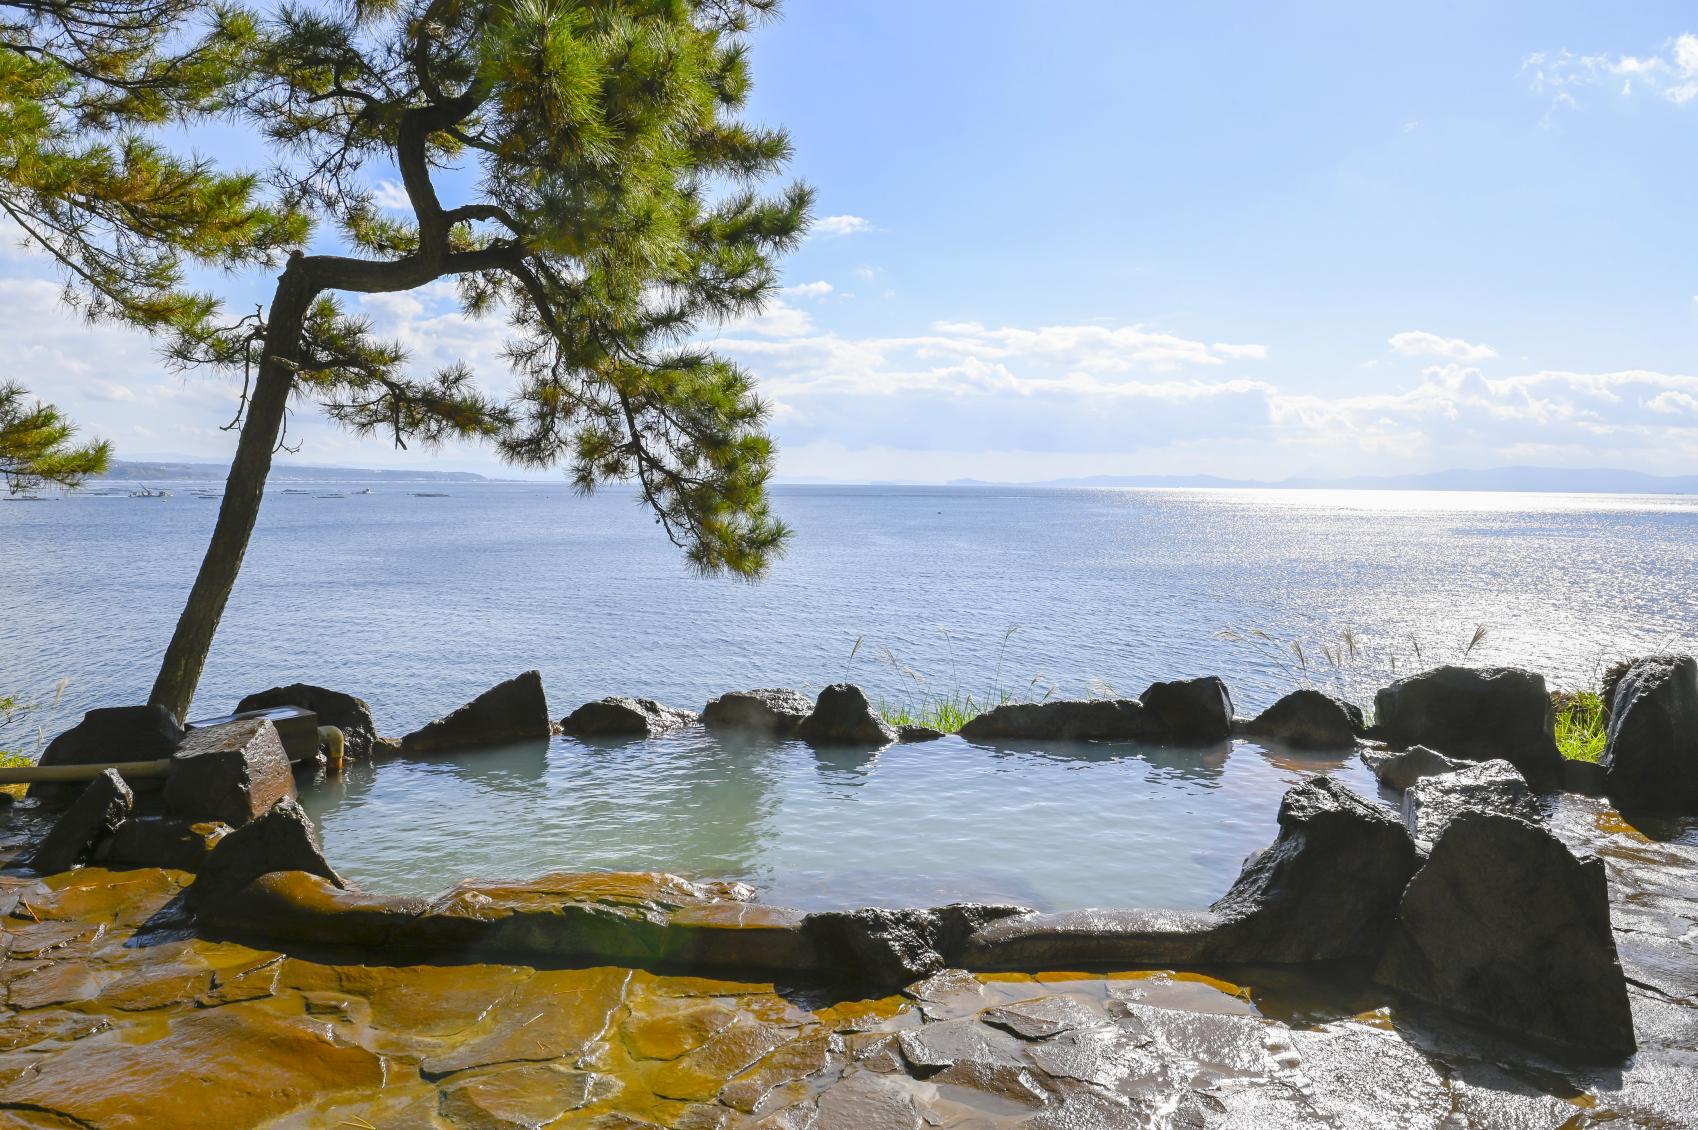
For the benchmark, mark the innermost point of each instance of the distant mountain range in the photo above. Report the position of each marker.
(1539, 479)
(137, 471)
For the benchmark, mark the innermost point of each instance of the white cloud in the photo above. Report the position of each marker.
(1673, 70)
(841, 225)
(1420, 343)
(810, 289)
(1673, 403)
(391, 195)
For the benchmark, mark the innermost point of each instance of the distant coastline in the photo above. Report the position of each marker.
(124, 470)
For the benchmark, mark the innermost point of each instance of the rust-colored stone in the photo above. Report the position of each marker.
(217, 1069)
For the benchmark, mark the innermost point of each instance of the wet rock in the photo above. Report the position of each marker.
(772, 711)
(521, 1097)
(555, 1014)
(222, 1067)
(382, 747)
(625, 717)
(230, 773)
(1309, 719)
(1043, 1017)
(508, 712)
(842, 716)
(1080, 938)
(1191, 711)
(890, 948)
(909, 735)
(1401, 769)
(868, 1102)
(1505, 925)
(966, 1053)
(109, 735)
(699, 1074)
(1651, 760)
(1124, 719)
(349, 714)
(1483, 786)
(1476, 715)
(1326, 889)
(161, 841)
(98, 810)
(283, 839)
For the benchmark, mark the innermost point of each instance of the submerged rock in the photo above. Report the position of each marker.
(1432, 802)
(890, 948)
(1476, 715)
(1326, 889)
(1191, 710)
(909, 735)
(773, 711)
(1309, 719)
(1504, 924)
(1402, 769)
(1651, 760)
(512, 711)
(1122, 719)
(349, 714)
(231, 773)
(625, 717)
(108, 735)
(98, 810)
(283, 839)
(843, 716)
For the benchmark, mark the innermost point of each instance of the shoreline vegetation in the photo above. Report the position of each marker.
(1342, 666)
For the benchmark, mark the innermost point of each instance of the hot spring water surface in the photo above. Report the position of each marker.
(1057, 827)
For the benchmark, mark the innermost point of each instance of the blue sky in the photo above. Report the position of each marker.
(1082, 237)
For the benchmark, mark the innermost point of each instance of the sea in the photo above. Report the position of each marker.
(418, 596)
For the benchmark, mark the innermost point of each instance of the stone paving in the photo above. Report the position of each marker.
(116, 1017)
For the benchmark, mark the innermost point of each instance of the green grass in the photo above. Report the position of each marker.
(947, 713)
(1580, 723)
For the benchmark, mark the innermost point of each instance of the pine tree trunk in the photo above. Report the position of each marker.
(185, 658)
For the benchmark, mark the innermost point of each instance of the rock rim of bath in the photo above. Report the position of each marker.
(622, 716)
(767, 711)
(511, 711)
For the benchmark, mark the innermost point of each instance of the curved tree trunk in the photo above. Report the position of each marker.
(185, 658)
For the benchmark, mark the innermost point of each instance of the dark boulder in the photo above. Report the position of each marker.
(625, 717)
(1309, 719)
(102, 805)
(842, 716)
(1191, 711)
(108, 735)
(1431, 803)
(1477, 715)
(513, 711)
(1401, 769)
(773, 711)
(1504, 924)
(230, 773)
(1326, 889)
(349, 714)
(909, 735)
(161, 841)
(1122, 719)
(886, 949)
(283, 839)
(1651, 759)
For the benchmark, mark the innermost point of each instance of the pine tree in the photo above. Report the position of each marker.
(36, 444)
(85, 86)
(575, 166)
